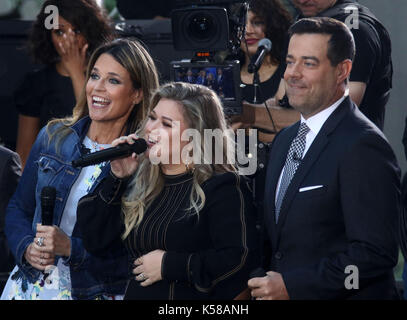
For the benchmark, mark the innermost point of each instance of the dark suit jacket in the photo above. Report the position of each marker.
(351, 220)
(10, 172)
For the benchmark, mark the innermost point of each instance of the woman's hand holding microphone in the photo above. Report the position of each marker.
(49, 241)
(125, 167)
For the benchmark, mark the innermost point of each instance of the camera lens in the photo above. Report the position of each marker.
(201, 27)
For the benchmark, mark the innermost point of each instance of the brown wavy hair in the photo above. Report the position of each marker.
(132, 56)
(277, 22)
(85, 15)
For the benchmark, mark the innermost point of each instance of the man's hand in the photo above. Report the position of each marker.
(256, 115)
(244, 120)
(270, 287)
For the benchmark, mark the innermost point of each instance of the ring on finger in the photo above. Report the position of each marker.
(142, 277)
(40, 241)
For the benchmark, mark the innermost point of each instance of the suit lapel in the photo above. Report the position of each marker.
(306, 164)
(276, 163)
(313, 153)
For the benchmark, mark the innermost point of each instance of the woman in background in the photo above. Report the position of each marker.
(265, 19)
(51, 91)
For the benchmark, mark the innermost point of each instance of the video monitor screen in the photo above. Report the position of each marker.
(224, 79)
(218, 78)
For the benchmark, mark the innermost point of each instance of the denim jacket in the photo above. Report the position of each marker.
(47, 166)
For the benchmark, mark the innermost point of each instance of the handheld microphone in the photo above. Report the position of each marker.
(257, 59)
(48, 195)
(120, 151)
(257, 273)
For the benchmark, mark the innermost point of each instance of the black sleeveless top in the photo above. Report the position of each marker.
(267, 89)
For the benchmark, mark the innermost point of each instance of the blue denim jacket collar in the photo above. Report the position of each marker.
(81, 127)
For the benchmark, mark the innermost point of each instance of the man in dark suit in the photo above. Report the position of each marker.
(10, 172)
(332, 187)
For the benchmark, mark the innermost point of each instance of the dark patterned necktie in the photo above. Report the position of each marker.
(292, 162)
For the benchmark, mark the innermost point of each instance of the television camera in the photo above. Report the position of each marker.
(212, 30)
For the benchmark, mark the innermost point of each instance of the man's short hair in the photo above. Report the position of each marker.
(341, 45)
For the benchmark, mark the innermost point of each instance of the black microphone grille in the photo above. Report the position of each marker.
(141, 145)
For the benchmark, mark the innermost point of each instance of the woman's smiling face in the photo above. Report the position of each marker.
(109, 90)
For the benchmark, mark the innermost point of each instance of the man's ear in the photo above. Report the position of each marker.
(343, 70)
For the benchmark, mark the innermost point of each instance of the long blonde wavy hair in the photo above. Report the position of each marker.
(143, 74)
(202, 109)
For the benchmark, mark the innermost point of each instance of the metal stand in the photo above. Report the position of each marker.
(256, 82)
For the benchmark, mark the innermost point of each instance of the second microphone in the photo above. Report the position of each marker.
(120, 151)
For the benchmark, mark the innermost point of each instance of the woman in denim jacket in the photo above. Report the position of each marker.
(51, 260)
